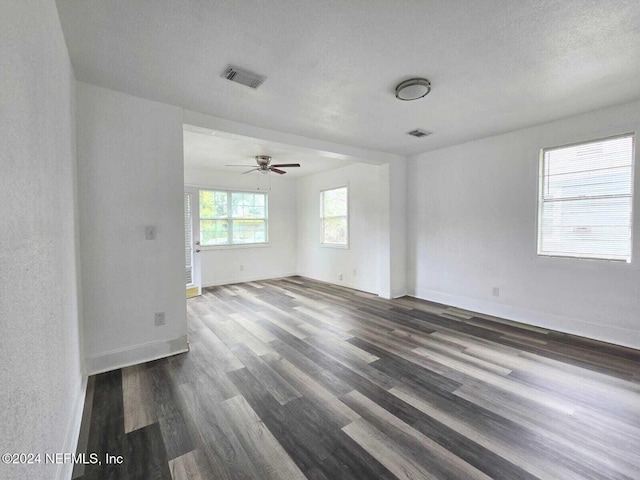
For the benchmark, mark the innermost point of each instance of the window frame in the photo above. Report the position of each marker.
(540, 201)
(322, 217)
(230, 219)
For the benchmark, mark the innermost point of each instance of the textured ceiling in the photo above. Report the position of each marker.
(204, 148)
(331, 66)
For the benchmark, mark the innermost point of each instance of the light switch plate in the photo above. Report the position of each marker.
(160, 319)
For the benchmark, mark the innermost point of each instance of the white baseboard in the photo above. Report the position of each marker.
(136, 354)
(390, 295)
(72, 433)
(561, 323)
(341, 284)
(229, 281)
(398, 294)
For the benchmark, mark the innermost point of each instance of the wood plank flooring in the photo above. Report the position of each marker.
(293, 378)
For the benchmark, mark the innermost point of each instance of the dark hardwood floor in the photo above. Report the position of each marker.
(293, 379)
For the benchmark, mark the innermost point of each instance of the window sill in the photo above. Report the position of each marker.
(212, 248)
(331, 245)
(582, 259)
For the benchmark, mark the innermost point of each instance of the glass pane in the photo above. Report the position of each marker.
(590, 227)
(610, 181)
(253, 212)
(249, 231)
(589, 212)
(334, 230)
(599, 241)
(213, 204)
(610, 153)
(334, 202)
(248, 205)
(214, 232)
(237, 199)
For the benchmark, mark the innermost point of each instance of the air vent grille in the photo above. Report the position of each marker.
(419, 133)
(243, 77)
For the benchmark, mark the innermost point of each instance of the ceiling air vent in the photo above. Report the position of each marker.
(419, 133)
(243, 77)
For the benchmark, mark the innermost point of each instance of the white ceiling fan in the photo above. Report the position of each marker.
(265, 166)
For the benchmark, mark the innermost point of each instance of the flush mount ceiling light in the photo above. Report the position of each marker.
(413, 89)
(419, 133)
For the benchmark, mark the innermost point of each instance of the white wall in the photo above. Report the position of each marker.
(362, 256)
(42, 389)
(221, 265)
(130, 171)
(336, 150)
(472, 225)
(392, 202)
(398, 227)
(385, 210)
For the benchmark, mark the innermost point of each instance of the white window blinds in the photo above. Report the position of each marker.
(188, 239)
(586, 196)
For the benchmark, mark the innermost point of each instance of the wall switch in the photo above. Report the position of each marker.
(496, 291)
(160, 318)
(242, 268)
(150, 232)
(339, 276)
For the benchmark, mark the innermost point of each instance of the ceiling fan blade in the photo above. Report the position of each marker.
(238, 165)
(277, 170)
(249, 171)
(286, 165)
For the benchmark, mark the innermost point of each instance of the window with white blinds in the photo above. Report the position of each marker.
(188, 239)
(586, 197)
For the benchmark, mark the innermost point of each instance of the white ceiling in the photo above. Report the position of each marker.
(205, 148)
(331, 65)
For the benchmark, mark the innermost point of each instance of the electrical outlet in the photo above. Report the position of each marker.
(160, 318)
(242, 268)
(339, 276)
(150, 232)
(355, 272)
(496, 291)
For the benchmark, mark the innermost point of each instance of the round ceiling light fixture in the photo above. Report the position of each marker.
(413, 89)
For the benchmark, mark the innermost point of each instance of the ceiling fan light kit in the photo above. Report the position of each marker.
(413, 89)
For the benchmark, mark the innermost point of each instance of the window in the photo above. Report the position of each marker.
(232, 218)
(188, 236)
(585, 200)
(334, 220)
